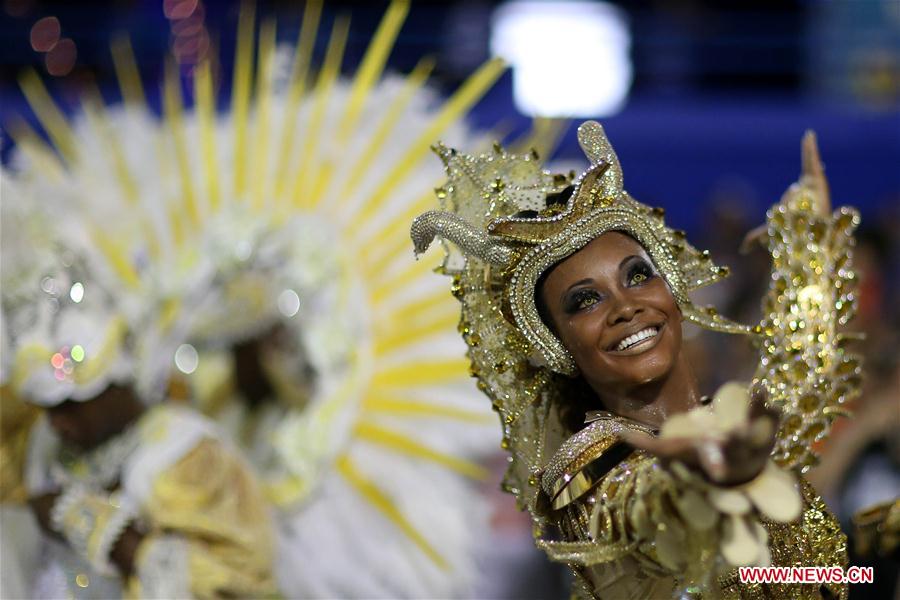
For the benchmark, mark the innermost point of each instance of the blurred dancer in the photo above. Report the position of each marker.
(284, 348)
(274, 236)
(134, 497)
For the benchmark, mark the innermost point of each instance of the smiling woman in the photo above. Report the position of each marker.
(622, 327)
(573, 297)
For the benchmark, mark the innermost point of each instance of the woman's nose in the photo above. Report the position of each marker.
(623, 308)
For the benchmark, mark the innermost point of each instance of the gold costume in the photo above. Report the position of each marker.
(628, 526)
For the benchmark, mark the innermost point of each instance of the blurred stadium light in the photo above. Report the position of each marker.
(569, 59)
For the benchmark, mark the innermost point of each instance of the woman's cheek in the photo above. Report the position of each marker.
(578, 343)
(588, 332)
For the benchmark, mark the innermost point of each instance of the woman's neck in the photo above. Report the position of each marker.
(654, 402)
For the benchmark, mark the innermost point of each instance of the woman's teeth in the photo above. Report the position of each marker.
(636, 338)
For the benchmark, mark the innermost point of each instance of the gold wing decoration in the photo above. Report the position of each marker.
(805, 365)
(500, 356)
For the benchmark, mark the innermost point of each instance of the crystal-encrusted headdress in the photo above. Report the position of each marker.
(505, 211)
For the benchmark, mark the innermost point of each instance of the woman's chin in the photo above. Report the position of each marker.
(648, 367)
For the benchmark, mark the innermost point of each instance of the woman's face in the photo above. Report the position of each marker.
(614, 313)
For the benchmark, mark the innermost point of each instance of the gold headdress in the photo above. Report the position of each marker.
(502, 213)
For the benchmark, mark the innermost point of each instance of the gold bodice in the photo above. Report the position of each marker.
(595, 468)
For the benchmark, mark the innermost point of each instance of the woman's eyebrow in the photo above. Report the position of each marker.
(575, 285)
(628, 258)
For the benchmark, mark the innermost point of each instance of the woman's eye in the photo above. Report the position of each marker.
(587, 302)
(639, 273)
(581, 301)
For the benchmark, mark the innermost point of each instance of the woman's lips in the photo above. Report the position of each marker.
(638, 342)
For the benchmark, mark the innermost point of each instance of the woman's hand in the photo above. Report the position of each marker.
(125, 549)
(734, 460)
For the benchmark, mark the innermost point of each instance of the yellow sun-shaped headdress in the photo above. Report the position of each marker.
(390, 442)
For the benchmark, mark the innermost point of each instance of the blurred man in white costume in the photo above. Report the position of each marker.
(134, 497)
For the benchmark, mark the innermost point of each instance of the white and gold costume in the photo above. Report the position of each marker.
(290, 210)
(204, 519)
(205, 526)
(628, 526)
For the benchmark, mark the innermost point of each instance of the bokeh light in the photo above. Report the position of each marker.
(187, 359)
(61, 59)
(17, 8)
(179, 9)
(190, 37)
(77, 353)
(569, 59)
(76, 293)
(45, 34)
(288, 303)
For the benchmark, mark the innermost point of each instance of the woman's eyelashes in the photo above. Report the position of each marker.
(638, 272)
(582, 299)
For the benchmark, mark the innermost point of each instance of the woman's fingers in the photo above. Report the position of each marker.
(713, 460)
(734, 460)
(683, 450)
(763, 420)
(759, 409)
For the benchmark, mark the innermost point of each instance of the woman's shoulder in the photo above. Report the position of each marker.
(583, 459)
